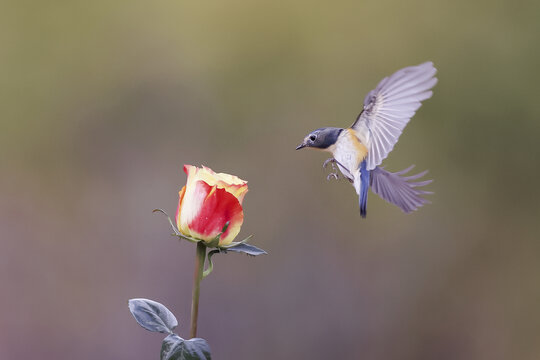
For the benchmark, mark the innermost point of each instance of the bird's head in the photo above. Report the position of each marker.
(322, 138)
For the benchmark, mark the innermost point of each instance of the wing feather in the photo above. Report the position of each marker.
(389, 107)
(399, 189)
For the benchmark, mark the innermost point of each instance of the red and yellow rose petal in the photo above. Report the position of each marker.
(230, 183)
(207, 202)
(206, 209)
(219, 207)
(181, 194)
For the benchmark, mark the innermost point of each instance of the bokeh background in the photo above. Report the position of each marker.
(102, 102)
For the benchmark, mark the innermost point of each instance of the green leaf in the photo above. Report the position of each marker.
(152, 315)
(176, 348)
(247, 249)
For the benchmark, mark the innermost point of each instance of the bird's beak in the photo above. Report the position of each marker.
(300, 146)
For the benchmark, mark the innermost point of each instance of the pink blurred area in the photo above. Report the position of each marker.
(101, 104)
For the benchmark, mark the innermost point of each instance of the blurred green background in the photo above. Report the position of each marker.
(102, 102)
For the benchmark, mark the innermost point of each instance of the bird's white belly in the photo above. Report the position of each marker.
(348, 153)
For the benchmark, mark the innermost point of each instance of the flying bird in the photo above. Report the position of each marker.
(359, 150)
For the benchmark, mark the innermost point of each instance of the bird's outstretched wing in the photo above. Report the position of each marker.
(399, 189)
(390, 106)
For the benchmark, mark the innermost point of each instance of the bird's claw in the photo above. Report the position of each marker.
(332, 176)
(328, 161)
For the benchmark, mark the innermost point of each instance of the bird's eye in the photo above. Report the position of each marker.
(312, 137)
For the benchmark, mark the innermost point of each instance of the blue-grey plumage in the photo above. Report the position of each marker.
(364, 186)
(359, 150)
(323, 138)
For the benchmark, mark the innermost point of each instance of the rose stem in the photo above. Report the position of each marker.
(197, 277)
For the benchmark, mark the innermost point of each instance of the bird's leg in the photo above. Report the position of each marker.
(335, 174)
(327, 161)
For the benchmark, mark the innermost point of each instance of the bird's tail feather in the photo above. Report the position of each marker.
(398, 189)
(363, 191)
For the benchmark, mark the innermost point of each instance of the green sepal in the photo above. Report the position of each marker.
(233, 244)
(176, 231)
(239, 246)
(214, 243)
(210, 263)
(190, 239)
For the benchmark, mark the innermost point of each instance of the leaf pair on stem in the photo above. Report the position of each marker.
(155, 317)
